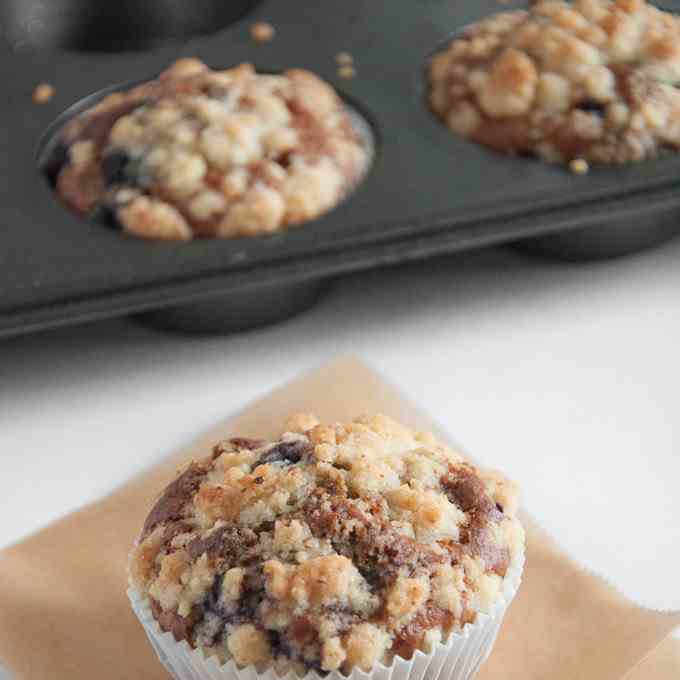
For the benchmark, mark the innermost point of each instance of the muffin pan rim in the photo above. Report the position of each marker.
(142, 299)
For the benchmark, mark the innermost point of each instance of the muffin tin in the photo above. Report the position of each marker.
(428, 192)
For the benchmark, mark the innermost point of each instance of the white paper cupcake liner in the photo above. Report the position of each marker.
(457, 658)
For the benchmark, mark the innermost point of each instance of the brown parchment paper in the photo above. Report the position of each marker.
(64, 613)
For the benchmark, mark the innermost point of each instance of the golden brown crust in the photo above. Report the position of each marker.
(333, 547)
(210, 153)
(592, 81)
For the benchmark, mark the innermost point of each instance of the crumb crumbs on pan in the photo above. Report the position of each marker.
(579, 166)
(262, 31)
(344, 59)
(347, 71)
(43, 93)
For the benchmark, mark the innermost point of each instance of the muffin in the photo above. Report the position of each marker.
(590, 81)
(335, 548)
(204, 153)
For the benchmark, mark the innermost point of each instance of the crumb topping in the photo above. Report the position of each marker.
(203, 153)
(347, 71)
(262, 31)
(334, 547)
(43, 93)
(593, 81)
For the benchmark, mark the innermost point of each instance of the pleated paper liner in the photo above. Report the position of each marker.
(459, 657)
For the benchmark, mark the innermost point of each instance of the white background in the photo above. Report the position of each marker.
(564, 376)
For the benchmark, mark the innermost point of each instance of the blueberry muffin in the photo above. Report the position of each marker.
(593, 81)
(203, 153)
(332, 548)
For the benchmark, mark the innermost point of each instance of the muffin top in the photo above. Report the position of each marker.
(592, 80)
(203, 153)
(334, 547)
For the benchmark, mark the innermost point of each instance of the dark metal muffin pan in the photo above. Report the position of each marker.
(428, 192)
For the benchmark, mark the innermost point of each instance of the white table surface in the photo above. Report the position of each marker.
(565, 376)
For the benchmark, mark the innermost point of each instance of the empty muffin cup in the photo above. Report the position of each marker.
(86, 26)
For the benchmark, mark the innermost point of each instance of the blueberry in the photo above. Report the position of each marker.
(285, 452)
(55, 161)
(118, 167)
(104, 213)
(213, 600)
(113, 167)
(592, 106)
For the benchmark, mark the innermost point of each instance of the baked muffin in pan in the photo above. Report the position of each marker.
(205, 153)
(593, 81)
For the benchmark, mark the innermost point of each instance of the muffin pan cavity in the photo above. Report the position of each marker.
(100, 26)
(427, 192)
(210, 153)
(589, 81)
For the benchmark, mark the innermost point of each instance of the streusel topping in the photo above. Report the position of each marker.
(203, 153)
(335, 547)
(593, 80)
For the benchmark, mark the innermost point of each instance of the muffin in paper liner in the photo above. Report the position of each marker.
(346, 548)
(457, 658)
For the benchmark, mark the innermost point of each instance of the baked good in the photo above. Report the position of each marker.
(334, 547)
(203, 153)
(593, 80)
